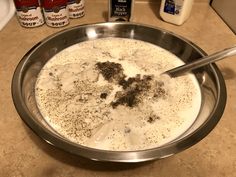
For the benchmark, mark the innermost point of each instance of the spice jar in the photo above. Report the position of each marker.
(29, 13)
(76, 8)
(55, 12)
(120, 10)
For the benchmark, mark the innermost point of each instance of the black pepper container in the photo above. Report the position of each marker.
(120, 10)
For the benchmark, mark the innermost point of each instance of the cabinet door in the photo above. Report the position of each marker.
(226, 9)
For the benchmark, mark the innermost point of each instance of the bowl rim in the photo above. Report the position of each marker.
(116, 156)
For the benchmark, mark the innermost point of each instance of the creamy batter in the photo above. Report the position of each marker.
(110, 94)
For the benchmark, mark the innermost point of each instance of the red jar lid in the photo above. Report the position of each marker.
(48, 4)
(27, 3)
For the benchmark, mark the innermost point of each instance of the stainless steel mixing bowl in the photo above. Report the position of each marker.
(209, 77)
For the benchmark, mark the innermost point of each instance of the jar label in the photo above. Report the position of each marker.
(30, 16)
(120, 9)
(76, 8)
(56, 16)
(173, 6)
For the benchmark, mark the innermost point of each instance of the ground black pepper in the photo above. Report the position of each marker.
(133, 87)
(110, 70)
(152, 118)
(103, 95)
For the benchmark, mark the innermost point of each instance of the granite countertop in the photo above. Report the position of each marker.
(23, 154)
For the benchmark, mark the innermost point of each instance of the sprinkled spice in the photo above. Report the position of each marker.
(128, 99)
(133, 87)
(127, 130)
(103, 95)
(152, 118)
(159, 92)
(110, 70)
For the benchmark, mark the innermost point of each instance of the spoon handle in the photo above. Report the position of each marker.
(201, 62)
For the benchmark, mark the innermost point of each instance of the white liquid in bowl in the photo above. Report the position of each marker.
(109, 94)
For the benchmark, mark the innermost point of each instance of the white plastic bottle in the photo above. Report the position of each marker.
(175, 11)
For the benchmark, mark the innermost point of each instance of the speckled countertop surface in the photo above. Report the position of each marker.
(23, 154)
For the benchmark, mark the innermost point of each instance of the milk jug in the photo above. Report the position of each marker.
(175, 11)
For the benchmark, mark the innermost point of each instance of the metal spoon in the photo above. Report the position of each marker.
(201, 62)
